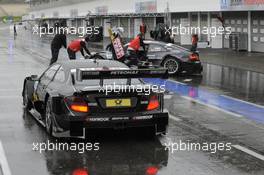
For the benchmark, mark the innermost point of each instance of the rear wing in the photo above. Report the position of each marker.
(88, 74)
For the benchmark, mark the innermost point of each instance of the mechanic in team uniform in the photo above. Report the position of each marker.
(76, 46)
(134, 49)
(58, 41)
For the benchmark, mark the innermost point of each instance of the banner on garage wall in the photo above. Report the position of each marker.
(242, 5)
(146, 6)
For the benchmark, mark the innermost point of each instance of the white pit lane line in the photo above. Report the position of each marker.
(167, 97)
(4, 167)
(175, 118)
(211, 106)
(177, 82)
(222, 110)
(248, 151)
(172, 116)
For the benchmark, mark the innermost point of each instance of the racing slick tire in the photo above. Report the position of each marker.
(172, 64)
(48, 118)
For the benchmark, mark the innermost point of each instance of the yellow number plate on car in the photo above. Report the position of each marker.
(118, 103)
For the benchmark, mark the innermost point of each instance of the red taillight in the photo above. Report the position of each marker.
(152, 170)
(80, 172)
(194, 57)
(77, 104)
(79, 108)
(153, 103)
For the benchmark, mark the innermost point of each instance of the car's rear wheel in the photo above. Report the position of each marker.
(48, 118)
(172, 64)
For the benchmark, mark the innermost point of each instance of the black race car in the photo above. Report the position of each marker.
(177, 59)
(71, 97)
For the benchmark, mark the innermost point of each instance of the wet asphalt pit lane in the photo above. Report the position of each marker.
(123, 152)
(213, 143)
(235, 82)
(120, 152)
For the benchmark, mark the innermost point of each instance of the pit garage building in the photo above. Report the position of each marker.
(246, 17)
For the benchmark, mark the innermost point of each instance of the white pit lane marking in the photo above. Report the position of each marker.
(248, 151)
(211, 106)
(172, 116)
(3, 161)
(167, 97)
(175, 118)
(177, 82)
(222, 110)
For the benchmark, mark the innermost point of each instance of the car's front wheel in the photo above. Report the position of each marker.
(172, 64)
(48, 118)
(26, 102)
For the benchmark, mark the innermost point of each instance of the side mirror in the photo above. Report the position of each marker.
(34, 77)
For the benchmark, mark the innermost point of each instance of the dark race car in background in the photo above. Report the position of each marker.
(177, 59)
(69, 98)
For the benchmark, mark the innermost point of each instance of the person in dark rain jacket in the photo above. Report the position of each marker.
(57, 43)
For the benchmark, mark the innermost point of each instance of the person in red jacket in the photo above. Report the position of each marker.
(76, 46)
(135, 44)
(134, 48)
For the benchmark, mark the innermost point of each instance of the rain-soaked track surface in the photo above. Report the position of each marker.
(124, 152)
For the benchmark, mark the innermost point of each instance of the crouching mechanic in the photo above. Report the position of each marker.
(133, 49)
(76, 46)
